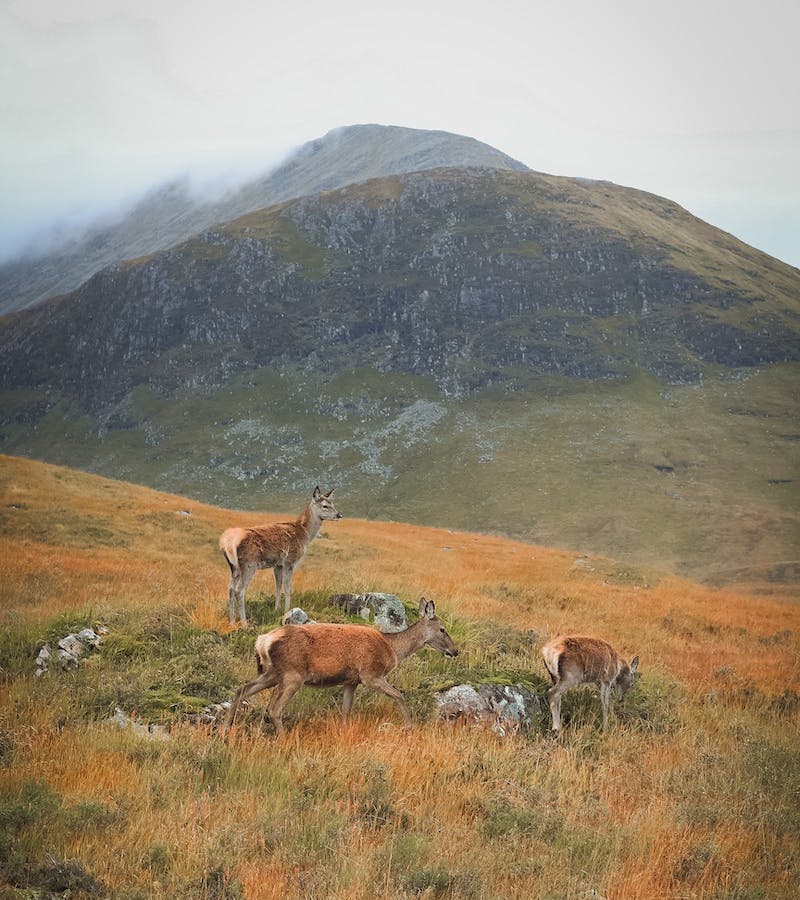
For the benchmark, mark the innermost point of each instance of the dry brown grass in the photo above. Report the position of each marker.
(691, 802)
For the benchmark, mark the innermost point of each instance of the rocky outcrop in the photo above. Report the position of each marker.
(475, 278)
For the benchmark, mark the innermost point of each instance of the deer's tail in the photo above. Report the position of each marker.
(263, 659)
(552, 662)
(229, 544)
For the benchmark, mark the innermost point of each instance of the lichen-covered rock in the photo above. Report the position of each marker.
(503, 708)
(385, 610)
(297, 616)
(70, 649)
(389, 612)
(143, 729)
(43, 659)
(211, 714)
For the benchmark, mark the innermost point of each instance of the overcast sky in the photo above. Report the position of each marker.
(695, 100)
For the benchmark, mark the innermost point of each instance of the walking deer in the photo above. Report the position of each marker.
(577, 659)
(329, 655)
(279, 546)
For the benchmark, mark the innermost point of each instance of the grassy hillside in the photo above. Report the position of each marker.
(692, 792)
(701, 479)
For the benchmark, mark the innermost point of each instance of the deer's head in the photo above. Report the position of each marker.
(436, 635)
(626, 678)
(324, 505)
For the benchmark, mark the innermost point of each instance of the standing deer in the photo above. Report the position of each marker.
(278, 546)
(576, 659)
(329, 655)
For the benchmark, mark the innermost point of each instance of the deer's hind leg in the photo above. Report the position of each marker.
(233, 587)
(246, 574)
(264, 681)
(554, 698)
(233, 595)
(288, 687)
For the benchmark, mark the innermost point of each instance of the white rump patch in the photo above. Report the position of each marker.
(551, 656)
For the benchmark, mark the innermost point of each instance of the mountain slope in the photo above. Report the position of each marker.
(591, 345)
(174, 212)
(471, 277)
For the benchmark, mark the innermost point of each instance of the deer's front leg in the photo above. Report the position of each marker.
(278, 570)
(347, 699)
(287, 587)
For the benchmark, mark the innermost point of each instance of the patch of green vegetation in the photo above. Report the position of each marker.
(18, 649)
(503, 820)
(159, 667)
(635, 469)
(651, 705)
(435, 881)
(277, 227)
(773, 771)
(32, 807)
(63, 527)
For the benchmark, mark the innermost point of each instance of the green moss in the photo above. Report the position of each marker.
(283, 235)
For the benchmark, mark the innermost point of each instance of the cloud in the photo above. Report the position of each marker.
(100, 100)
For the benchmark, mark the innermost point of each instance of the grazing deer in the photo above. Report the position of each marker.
(278, 546)
(576, 659)
(329, 655)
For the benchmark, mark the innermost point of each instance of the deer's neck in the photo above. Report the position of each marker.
(309, 523)
(404, 643)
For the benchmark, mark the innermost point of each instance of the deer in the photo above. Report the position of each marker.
(327, 655)
(577, 659)
(278, 546)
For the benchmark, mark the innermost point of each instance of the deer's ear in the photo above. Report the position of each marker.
(422, 602)
(634, 665)
(430, 610)
(317, 493)
(330, 492)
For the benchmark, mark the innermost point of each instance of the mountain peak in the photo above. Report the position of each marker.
(170, 214)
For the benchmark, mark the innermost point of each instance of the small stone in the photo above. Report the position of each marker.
(296, 616)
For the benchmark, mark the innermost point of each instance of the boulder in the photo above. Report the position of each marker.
(502, 707)
(297, 616)
(385, 610)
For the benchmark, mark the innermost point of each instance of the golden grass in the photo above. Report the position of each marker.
(695, 809)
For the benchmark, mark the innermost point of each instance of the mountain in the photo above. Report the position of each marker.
(566, 361)
(174, 212)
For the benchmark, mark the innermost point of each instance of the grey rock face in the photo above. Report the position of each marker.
(473, 278)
